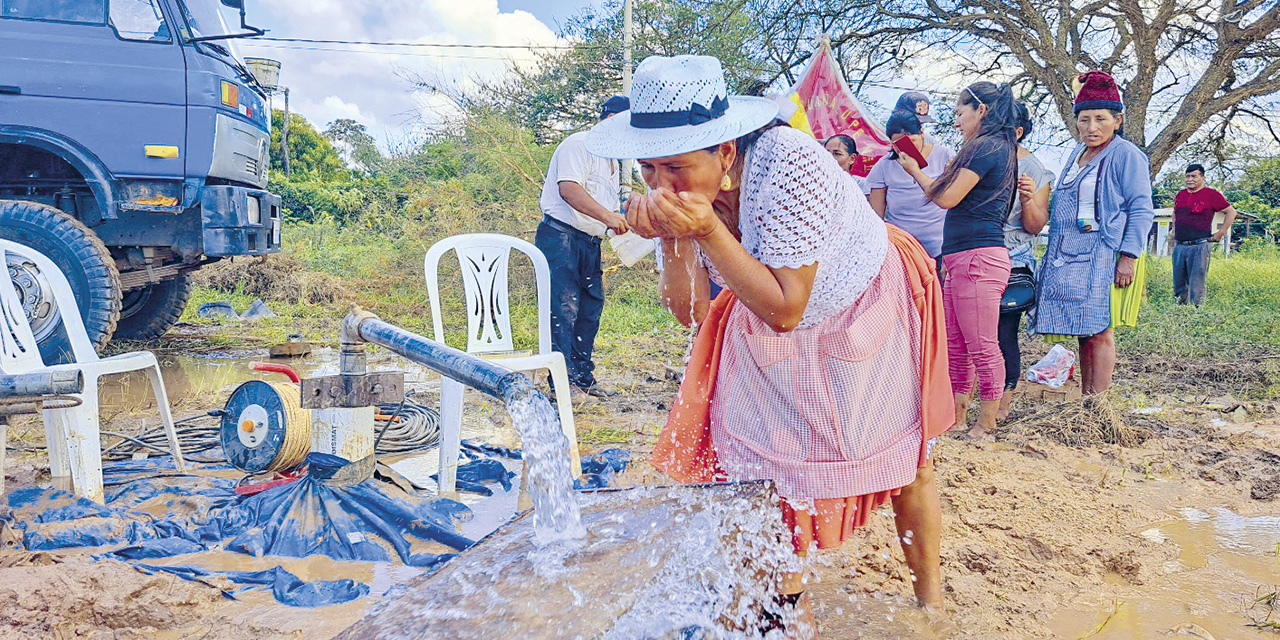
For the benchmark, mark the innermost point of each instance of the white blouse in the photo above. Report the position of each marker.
(798, 207)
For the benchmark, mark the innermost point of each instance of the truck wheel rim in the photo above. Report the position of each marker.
(134, 301)
(36, 295)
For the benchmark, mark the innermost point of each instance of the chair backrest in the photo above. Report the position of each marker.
(483, 259)
(19, 351)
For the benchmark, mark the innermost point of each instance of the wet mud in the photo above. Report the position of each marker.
(1174, 532)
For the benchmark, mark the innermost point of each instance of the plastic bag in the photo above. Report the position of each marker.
(630, 247)
(1055, 368)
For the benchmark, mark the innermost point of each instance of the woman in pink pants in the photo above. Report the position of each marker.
(977, 188)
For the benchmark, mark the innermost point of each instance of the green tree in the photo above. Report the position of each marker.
(565, 89)
(354, 144)
(1262, 180)
(1167, 188)
(1257, 193)
(310, 154)
(1267, 215)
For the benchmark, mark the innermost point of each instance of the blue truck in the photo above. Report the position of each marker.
(133, 150)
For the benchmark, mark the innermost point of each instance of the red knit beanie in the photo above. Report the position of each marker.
(1098, 90)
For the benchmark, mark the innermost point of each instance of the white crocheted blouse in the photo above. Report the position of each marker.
(797, 207)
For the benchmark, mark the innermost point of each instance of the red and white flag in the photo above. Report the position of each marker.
(831, 108)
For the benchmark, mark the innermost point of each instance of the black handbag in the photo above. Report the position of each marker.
(1020, 294)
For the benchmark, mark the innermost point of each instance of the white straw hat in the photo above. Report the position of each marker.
(678, 104)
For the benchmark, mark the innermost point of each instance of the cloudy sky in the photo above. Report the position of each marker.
(368, 84)
(370, 87)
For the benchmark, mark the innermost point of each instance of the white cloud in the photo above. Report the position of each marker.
(329, 108)
(370, 88)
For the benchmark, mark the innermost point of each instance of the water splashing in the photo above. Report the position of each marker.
(693, 561)
(556, 515)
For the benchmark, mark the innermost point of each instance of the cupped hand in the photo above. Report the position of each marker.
(681, 215)
(1125, 269)
(638, 218)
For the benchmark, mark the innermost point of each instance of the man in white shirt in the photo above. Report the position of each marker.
(579, 204)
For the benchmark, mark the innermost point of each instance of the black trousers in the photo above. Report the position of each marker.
(577, 295)
(1008, 336)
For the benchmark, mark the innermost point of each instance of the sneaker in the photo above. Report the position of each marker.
(594, 389)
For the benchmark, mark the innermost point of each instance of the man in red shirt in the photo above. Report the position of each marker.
(1193, 212)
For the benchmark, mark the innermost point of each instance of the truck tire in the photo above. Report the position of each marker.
(145, 314)
(89, 269)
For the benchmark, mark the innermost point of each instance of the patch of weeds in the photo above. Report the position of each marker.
(606, 435)
(278, 278)
(1262, 612)
(1088, 422)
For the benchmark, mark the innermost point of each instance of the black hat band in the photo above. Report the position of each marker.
(695, 114)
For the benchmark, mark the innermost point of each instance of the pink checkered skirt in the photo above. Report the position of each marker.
(826, 412)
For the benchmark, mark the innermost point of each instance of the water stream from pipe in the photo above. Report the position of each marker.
(556, 514)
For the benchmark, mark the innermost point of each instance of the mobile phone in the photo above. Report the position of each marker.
(905, 145)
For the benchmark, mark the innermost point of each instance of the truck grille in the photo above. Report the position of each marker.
(239, 152)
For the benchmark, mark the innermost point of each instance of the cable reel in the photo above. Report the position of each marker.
(265, 428)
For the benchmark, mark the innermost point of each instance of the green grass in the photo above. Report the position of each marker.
(1240, 315)
(385, 275)
(606, 435)
(315, 323)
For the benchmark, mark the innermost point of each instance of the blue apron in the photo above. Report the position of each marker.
(1077, 271)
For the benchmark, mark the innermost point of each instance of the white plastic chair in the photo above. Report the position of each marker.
(72, 434)
(484, 259)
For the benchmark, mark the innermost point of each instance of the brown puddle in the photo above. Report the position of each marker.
(1224, 562)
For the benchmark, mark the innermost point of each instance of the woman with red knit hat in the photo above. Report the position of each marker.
(1102, 213)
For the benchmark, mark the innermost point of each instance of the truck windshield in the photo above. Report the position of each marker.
(209, 18)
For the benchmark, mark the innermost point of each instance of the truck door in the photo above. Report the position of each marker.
(107, 74)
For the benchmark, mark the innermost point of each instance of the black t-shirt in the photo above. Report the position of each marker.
(978, 221)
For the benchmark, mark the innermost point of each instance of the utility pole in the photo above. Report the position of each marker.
(628, 40)
(284, 134)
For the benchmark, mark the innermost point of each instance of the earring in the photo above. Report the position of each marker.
(726, 184)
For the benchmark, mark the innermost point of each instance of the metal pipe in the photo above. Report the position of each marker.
(490, 378)
(495, 380)
(352, 360)
(53, 383)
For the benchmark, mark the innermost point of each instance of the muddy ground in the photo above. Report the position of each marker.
(1071, 523)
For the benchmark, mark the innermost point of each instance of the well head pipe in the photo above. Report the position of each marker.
(47, 383)
(490, 378)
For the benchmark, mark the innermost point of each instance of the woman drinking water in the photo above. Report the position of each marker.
(820, 367)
